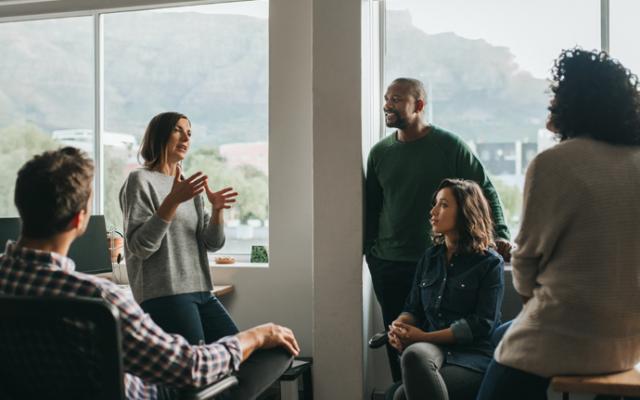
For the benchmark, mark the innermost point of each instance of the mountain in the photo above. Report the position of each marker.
(214, 68)
(476, 89)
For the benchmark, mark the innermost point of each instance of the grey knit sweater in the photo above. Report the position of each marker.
(165, 258)
(578, 258)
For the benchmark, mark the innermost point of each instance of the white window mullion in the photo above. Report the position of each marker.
(98, 193)
(604, 25)
(381, 45)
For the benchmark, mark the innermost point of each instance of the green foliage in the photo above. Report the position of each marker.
(116, 172)
(19, 143)
(250, 183)
(511, 197)
(259, 254)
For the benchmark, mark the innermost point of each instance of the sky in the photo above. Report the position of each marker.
(256, 8)
(624, 32)
(534, 31)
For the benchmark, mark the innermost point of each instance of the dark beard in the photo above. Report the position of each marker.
(399, 123)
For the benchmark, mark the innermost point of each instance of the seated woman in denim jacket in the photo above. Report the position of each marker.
(454, 305)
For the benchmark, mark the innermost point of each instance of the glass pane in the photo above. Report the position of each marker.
(623, 27)
(485, 66)
(209, 63)
(46, 94)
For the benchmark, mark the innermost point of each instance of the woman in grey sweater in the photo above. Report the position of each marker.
(168, 233)
(577, 262)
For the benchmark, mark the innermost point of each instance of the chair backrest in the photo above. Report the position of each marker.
(511, 302)
(59, 348)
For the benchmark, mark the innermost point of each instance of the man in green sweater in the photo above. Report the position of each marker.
(404, 170)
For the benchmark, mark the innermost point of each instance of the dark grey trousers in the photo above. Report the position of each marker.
(425, 377)
(255, 376)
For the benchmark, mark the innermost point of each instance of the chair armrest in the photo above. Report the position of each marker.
(378, 340)
(210, 391)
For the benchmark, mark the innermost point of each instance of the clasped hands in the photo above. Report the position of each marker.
(186, 189)
(401, 335)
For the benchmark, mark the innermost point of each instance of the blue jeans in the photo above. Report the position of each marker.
(502, 382)
(198, 317)
(505, 383)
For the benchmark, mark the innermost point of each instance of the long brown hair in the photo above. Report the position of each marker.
(473, 219)
(154, 143)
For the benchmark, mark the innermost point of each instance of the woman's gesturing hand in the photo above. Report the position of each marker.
(186, 189)
(222, 198)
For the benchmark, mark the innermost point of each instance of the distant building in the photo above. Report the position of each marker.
(498, 158)
(255, 154)
(83, 140)
(507, 158)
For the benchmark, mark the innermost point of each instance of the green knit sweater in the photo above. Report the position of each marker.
(402, 178)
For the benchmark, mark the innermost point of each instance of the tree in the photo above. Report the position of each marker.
(18, 144)
(511, 197)
(116, 171)
(249, 182)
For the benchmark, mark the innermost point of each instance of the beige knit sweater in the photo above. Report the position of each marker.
(578, 255)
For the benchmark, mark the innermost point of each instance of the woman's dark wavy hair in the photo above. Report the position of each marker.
(594, 96)
(473, 221)
(154, 143)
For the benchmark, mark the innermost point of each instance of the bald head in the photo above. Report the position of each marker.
(414, 87)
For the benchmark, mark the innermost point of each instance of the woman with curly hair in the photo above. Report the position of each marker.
(578, 261)
(454, 304)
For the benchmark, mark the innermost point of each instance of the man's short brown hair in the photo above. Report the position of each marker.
(415, 86)
(51, 189)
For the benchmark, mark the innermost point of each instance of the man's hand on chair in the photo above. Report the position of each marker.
(267, 336)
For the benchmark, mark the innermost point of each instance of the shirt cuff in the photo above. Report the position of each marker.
(232, 344)
(462, 331)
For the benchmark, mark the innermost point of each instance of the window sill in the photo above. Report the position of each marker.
(239, 264)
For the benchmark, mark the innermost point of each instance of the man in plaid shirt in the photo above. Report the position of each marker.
(53, 195)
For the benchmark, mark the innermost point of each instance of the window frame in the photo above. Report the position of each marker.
(39, 10)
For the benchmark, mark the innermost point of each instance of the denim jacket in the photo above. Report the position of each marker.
(466, 295)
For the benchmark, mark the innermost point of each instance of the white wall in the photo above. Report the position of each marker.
(283, 292)
(337, 197)
(314, 282)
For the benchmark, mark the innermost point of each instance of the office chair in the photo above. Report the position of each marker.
(67, 348)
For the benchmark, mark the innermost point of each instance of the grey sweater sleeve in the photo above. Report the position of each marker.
(213, 235)
(143, 228)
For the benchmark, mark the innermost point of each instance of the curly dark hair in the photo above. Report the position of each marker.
(51, 189)
(594, 96)
(473, 221)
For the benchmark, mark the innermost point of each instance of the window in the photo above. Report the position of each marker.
(623, 24)
(485, 66)
(208, 62)
(46, 93)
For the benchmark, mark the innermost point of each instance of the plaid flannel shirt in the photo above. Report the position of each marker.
(150, 355)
